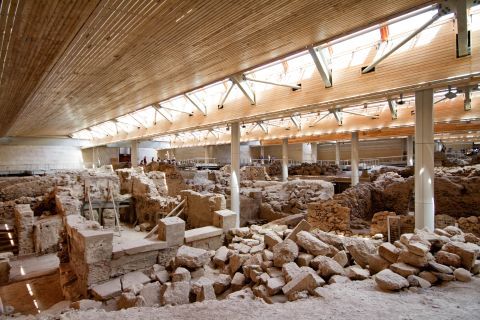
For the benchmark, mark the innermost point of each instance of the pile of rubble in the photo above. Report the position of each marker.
(278, 264)
(314, 169)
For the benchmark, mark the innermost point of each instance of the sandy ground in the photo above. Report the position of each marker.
(357, 300)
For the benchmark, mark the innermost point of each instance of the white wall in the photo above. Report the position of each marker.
(31, 157)
(367, 149)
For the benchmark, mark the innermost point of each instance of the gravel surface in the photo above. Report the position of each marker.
(358, 300)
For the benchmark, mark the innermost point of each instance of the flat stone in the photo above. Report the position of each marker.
(389, 280)
(360, 250)
(404, 269)
(86, 304)
(413, 259)
(319, 280)
(462, 275)
(416, 281)
(301, 226)
(221, 283)
(191, 257)
(129, 300)
(284, 252)
(429, 276)
(244, 294)
(133, 278)
(468, 252)
(418, 248)
(202, 233)
(443, 276)
(357, 273)
(452, 230)
(162, 276)
(312, 244)
(440, 267)
(448, 259)
(388, 252)
(107, 289)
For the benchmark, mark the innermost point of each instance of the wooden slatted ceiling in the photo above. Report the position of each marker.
(421, 64)
(129, 54)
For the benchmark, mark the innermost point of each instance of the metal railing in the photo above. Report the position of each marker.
(197, 161)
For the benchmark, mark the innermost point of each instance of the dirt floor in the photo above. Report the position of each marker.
(358, 300)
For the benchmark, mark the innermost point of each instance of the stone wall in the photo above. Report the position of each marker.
(46, 234)
(200, 208)
(24, 229)
(329, 216)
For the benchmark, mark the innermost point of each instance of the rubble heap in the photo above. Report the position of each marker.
(278, 264)
(314, 169)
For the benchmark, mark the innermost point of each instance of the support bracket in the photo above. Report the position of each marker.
(197, 104)
(294, 87)
(225, 95)
(337, 112)
(244, 87)
(164, 114)
(392, 105)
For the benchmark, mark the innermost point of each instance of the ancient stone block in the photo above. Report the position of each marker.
(224, 219)
(171, 230)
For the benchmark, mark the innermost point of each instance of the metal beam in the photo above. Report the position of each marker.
(296, 121)
(392, 105)
(244, 87)
(407, 39)
(167, 116)
(199, 105)
(136, 120)
(361, 114)
(463, 35)
(263, 126)
(175, 110)
(321, 118)
(338, 115)
(292, 86)
(225, 96)
(321, 65)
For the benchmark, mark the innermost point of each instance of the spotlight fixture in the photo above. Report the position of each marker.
(243, 125)
(400, 102)
(228, 127)
(450, 94)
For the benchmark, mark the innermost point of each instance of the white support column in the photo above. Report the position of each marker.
(354, 158)
(262, 154)
(314, 152)
(206, 155)
(409, 151)
(134, 153)
(285, 159)
(306, 153)
(337, 153)
(424, 165)
(235, 170)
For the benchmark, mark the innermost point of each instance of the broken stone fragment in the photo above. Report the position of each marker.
(267, 255)
(357, 273)
(437, 267)
(418, 248)
(290, 270)
(221, 257)
(452, 230)
(301, 282)
(318, 279)
(377, 263)
(236, 261)
(412, 259)
(389, 280)
(86, 304)
(388, 252)
(221, 283)
(448, 259)
(416, 281)
(181, 274)
(132, 278)
(429, 276)
(468, 252)
(191, 257)
(360, 250)
(342, 258)
(404, 269)
(339, 279)
(275, 285)
(176, 293)
(304, 259)
(151, 294)
(271, 239)
(312, 244)
(238, 281)
(284, 252)
(244, 294)
(129, 300)
(327, 267)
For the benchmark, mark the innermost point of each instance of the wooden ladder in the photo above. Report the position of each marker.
(180, 208)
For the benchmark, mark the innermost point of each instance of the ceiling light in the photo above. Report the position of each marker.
(400, 102)
(450, 94)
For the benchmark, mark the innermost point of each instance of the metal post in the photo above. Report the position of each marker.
(354, 159)
(409, 151)
(285, 159)
(235, 170)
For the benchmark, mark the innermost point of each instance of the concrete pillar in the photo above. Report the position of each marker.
(285, 159)
(354, 158)
(424, 165)
(235, 168)
(262, 154)
(337, 153)
(134, 153)
(314, 151)
(409, 151)
(306, 153)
